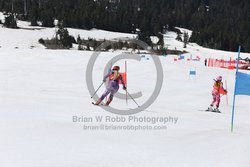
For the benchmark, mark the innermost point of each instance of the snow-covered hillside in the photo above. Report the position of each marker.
(42, 90)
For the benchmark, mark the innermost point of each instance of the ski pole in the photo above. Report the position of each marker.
(226, 89)
(133, 99)
(97, 90)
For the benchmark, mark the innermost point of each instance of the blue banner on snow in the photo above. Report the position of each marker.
(243, 84)
(192, 72)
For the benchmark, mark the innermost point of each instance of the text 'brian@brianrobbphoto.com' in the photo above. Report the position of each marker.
(130, 123)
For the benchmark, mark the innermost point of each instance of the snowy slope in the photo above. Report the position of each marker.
(196, 50)
(40, 91)
(26, 37)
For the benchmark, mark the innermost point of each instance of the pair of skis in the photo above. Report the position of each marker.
(101, 104)
(213, 110)
(107, 105)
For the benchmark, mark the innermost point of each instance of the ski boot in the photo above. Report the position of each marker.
(98, 102)
(210, 108)
(108, 102)
(217, 110)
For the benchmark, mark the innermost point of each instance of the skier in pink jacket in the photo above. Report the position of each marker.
(217, 89)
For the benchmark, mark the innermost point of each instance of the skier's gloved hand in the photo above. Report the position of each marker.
(124, 88)
(104, 80)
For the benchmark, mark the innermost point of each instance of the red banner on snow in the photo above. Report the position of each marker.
(229, 64)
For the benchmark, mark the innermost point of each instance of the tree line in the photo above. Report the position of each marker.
(215, 24)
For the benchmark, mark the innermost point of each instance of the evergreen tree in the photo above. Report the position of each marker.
(34, 13)
(145, 38)
(161, 40)
(185, 39)
(178, 38)
(10, 21)
(64, 36)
